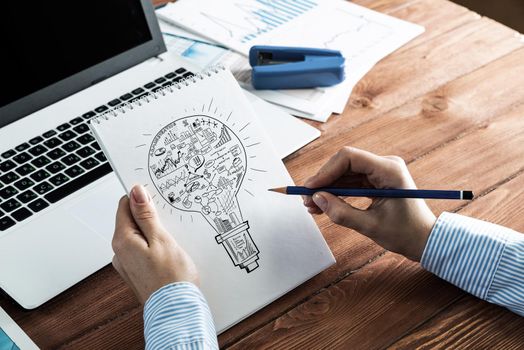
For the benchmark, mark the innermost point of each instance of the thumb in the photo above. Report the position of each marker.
(341, 213)
(144, 213)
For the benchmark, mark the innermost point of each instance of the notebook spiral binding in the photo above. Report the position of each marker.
(155, 95)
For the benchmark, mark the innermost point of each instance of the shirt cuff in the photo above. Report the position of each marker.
(465, 252)
(177, 317)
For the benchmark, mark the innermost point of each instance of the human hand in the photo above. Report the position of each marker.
(146, 255)
(399, 225)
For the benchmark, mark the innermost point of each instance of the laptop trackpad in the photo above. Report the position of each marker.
(97, 208)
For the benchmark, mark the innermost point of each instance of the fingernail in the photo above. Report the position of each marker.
(140, 194)
(320, 201)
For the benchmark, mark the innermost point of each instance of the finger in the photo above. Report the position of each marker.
(347, 159)
(342, 213)
(144, 214)
(126, 230)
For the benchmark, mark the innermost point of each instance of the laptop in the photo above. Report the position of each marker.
(60, 66)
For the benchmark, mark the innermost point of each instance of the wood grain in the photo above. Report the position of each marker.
(468, 324)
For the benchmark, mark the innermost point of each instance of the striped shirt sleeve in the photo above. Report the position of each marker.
(482, 258)
(177, 317)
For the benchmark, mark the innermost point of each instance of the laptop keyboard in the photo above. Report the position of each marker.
(51, 166)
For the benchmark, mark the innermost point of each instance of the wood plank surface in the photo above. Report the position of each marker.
(451, 103)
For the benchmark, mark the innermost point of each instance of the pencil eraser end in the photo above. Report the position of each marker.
(467, 195)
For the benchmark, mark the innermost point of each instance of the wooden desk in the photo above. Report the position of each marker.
(451, 103)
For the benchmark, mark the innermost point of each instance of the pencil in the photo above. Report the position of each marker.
(376, 192)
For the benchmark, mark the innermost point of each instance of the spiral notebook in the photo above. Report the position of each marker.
(199, 150)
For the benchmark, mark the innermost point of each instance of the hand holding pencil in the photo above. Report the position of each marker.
(399, 225)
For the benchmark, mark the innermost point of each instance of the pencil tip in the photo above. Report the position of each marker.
(278, 189)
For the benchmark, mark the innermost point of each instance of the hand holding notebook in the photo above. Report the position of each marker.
(198, 149)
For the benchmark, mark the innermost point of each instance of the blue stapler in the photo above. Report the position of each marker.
(280, 67)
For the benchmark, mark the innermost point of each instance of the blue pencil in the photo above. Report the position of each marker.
(375, 192)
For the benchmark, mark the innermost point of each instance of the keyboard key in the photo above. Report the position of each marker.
(96, 146)
(188, 75)
(101, 109)
(114, 102)
(85, 139)
(38, 205)
(59, 179)
(56, 153)
(40, 175)
(89, 163)
(78, 183)
(167, 84)
(52, 143)
(21, 158)
(178, 79)
(55, 167)
(26, 196)
(160, 80)
(88, 115)
(85, 152)
(71, 146)
(82, 128)
(67, 135)
(24, 184)
(70, 159)
(6, 222)
(25, 169)
(63, 127)
(9, 177)
(7, 165)
(158, 88)
(49, 133)
(170, 75)
(21, 214)
(150, 85)
(101, 156)
(8, 192)
(40, 161)
(43, 187)
(8, 154)
(180, 70)
(10, 205)
(37, 150)
(138, 91)
(74, 171)
(76, 121)
(22, 147)
(126, 97)
(36, 140)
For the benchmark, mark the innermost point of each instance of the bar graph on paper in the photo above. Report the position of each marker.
(260, 16)
(237, 23)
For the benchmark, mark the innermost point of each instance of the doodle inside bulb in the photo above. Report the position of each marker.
(198, 164)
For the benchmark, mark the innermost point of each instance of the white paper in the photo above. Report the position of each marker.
(208, 164)
(363, 36)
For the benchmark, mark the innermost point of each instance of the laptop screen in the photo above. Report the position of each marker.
(45, 42)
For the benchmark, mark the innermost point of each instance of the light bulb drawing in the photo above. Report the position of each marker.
(197, 164)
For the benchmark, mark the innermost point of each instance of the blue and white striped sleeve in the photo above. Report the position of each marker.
(482, 258)
(177, 317)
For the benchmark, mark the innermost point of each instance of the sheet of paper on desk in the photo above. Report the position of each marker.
(287, 132)
(362, 35)
(302, 103)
